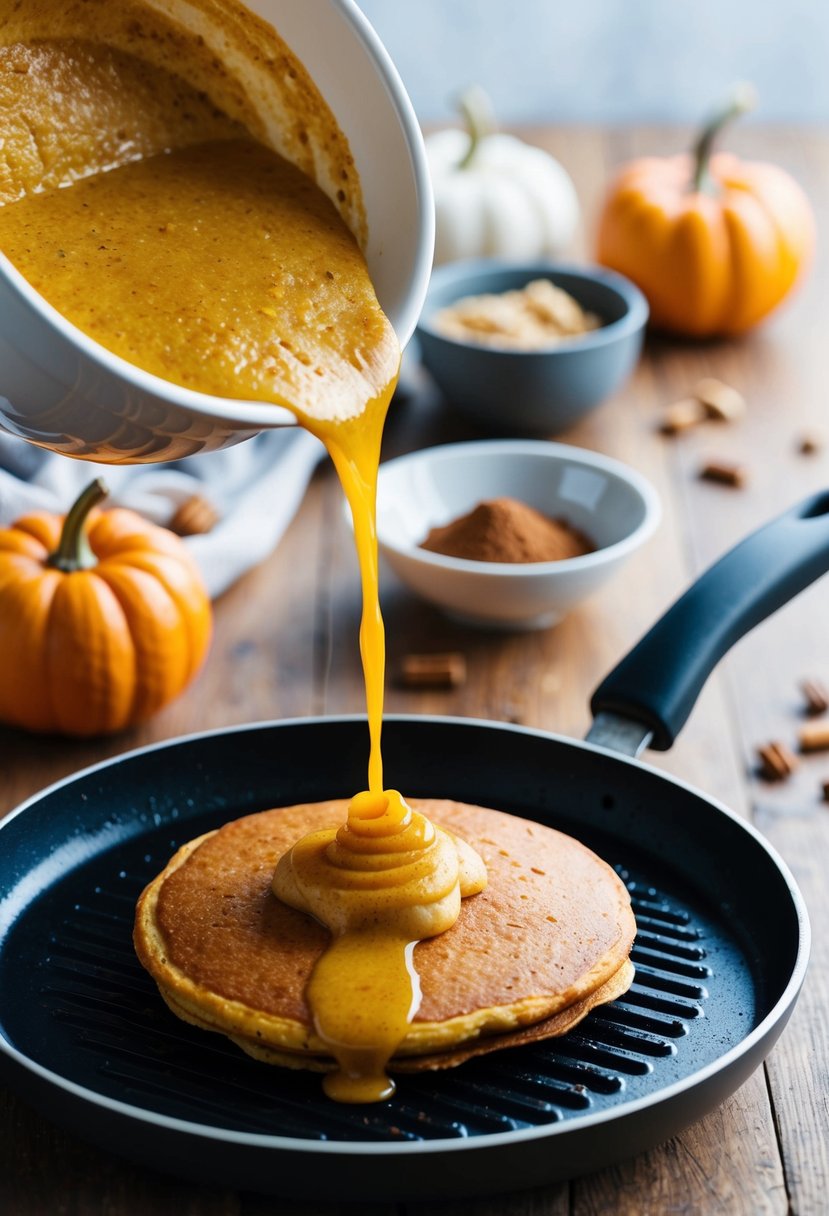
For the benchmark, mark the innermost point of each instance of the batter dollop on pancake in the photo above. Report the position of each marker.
(548, 939)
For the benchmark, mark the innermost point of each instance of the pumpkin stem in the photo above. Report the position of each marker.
(73, 551)
(479, 117)
(743, 98)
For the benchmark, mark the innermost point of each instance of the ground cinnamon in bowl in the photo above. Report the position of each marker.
(506, 530)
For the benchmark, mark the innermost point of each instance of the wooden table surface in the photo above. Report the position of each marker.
(286, 645)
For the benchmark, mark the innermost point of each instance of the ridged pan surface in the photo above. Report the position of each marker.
(76, 1003)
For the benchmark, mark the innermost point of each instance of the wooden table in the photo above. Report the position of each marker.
(286, 646)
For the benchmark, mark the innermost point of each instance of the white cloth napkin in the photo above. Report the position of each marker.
(256, 487)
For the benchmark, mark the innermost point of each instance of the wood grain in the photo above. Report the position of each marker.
(286, 644)
(44, 1170)
(696, 1172)
(552, 1201)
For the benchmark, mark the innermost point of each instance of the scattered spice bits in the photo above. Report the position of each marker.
(194, 516)
(724, 473)
(681, 416)
(815, 696)
(719, 400)
(506, 530)
(814, 736)
(777, 761)
(710, 399)
(811, 443)
(433, 670)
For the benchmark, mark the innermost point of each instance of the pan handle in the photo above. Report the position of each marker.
(658, 683)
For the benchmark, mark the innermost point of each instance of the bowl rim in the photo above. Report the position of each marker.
(468, 271)
(527, 570)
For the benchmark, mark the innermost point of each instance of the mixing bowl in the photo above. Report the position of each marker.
(60, 389)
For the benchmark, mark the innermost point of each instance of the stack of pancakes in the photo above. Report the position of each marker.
(527, 958)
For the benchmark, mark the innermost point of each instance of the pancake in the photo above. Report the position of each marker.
(552, 1027)
(526, 959)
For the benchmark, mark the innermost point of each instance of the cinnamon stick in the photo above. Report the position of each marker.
(433, 670)
(777, 761)
(814, 736)
(724, 473)
(815, 695)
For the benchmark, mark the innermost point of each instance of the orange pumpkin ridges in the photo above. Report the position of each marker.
(714, 243)
(103, 619)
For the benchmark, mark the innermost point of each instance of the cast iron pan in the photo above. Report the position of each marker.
(720, 955)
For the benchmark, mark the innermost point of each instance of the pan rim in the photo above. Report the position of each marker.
(255, 1140)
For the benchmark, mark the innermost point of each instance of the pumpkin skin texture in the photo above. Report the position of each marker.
(91, 651)
(496, 196)
(513, 201)
(713, 244)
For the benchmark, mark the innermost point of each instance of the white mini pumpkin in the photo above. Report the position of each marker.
(496, 196)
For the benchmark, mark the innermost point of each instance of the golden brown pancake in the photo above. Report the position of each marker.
(552, 1027)
(527, 958)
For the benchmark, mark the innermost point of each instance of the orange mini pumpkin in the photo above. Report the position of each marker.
(103, 619)
(715, 243)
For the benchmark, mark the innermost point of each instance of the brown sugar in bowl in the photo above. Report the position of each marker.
(532, 391)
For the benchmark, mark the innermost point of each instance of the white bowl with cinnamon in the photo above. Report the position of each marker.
(510, 534)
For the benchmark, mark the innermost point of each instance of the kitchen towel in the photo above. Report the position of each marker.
(255, 486)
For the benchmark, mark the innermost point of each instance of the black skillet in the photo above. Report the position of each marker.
(720, 955)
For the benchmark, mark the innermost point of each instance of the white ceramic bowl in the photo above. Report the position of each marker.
(61, 389)
(614, 505)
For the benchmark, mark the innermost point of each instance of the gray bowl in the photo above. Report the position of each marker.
(533, 392)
